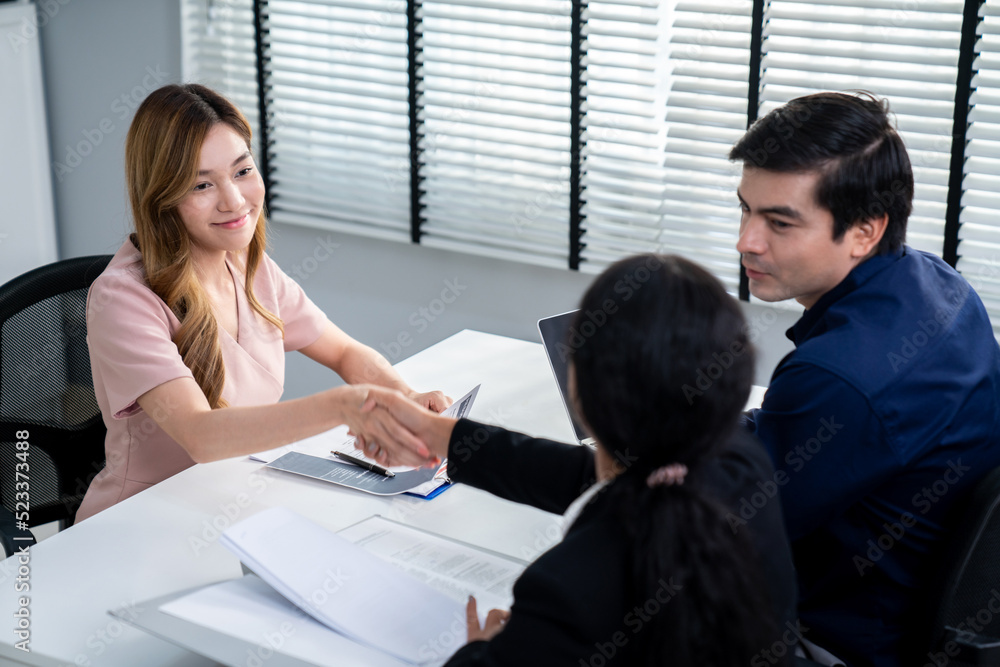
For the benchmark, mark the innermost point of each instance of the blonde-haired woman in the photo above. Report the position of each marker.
(191, 316)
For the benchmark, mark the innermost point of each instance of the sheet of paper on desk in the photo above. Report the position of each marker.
(454, 568)
(362, 597)
(250, 610)
(352, 476)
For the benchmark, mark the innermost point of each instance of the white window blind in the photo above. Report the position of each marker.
(979, 249)
(219, 52)
(664, 93)
(906, 52)
(338, 91)
(666, 100)
(495, 138)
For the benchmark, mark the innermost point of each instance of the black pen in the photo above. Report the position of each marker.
(364, 464)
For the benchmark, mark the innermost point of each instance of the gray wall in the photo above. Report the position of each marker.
(101, 57)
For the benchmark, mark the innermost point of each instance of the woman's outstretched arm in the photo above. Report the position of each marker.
(180, 408)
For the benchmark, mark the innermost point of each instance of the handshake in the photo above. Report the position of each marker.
(398, 429)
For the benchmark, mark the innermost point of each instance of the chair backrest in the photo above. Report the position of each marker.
(970, 568)
(46, 390)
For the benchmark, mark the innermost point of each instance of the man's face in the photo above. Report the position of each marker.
(786, 238)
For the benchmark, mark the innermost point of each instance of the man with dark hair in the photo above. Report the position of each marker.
(887, 410)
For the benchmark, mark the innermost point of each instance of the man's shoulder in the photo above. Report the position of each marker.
(916, 285)
(916, 309)
(913, 334)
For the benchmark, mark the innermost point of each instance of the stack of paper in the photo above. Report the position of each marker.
(384, 585)
(339, 584)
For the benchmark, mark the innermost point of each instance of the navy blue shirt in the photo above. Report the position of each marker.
(883, 415)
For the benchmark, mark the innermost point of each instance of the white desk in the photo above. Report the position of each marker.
(162, 540)
(165, 539)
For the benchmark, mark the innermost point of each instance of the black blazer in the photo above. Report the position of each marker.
(570, 605)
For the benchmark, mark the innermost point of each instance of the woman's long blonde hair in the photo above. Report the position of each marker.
(162, 152)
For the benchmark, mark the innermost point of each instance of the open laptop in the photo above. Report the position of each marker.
(555, 339)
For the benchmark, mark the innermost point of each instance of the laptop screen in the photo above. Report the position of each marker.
(555, 339)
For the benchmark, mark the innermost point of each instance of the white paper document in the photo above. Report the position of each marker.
(383, 586)
(341, 585)
(454, 568)
(250, 610)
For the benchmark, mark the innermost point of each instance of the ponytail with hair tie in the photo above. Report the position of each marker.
(668, 475)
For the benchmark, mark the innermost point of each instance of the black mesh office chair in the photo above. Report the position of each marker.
(961, 614)
(966, 599)
(47, 391)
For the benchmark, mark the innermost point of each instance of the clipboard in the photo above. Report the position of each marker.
(344, 474)
(236, 649)
(221, 648)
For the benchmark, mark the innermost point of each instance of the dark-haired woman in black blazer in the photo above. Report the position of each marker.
(661, 563)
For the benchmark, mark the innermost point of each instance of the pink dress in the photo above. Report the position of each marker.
(129, 333)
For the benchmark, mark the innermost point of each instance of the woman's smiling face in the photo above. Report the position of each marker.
(220, 212)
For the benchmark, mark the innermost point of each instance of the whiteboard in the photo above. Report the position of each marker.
(27, 213)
